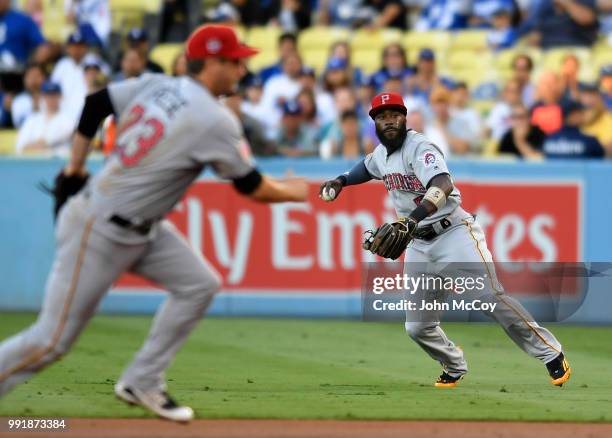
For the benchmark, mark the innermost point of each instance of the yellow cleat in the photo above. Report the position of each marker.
(559, 370)
(447, 381)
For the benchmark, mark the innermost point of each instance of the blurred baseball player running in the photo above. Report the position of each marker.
(435, 229)
(169, 130)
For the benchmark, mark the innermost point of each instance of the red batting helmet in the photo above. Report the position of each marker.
(214, 40)
(385, 101)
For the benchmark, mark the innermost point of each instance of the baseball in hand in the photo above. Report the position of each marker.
(331, 193)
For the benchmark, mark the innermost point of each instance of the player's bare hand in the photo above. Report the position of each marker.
(298, 187)
(330, 190)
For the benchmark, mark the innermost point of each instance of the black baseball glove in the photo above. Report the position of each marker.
(390, 240)
(63, 188)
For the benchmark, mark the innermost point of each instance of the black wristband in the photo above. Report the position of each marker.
(419, 213)
(342, 180)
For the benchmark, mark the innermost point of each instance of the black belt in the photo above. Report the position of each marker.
(428, 232)
(143, 228)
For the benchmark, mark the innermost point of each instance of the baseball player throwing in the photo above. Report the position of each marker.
(169, 130)
(433, 228)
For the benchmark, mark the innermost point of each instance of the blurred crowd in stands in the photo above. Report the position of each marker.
(289, 108)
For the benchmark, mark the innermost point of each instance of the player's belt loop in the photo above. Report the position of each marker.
(143, 228)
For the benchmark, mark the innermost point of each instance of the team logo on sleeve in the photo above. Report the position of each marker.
(428, 159)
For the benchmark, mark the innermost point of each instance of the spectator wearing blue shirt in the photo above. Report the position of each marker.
(395, 64)
(444, 15)
(558, 23)
(503, 35)
(569, 141)
(19, 36)
(287, 44)
(605, 82)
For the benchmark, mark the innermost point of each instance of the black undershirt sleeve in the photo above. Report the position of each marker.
(248, 184)
(97, 107)
(357, 175)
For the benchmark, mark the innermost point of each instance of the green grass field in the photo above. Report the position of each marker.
(254, 368)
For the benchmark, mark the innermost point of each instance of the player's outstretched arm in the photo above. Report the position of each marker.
(262, 188)
(331, 189)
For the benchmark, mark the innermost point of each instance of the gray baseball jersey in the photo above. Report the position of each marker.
(169, 130)
(407, 171)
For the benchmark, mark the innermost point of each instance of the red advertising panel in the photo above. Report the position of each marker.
(316, 246)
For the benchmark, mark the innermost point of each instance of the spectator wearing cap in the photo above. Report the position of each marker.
(560, 23)
(522, 67)
(342, 13)
(444, 15)
(522, 139)
(499, 119)
(20, 38)
(597, 118)
(546, 112)
(336, 75)
(69, 73)
(92, 18)
(29, 100)
(342, 50)
(394, 63)
(425, 77)
(483, 12)
(294, 137)
(447, 131)
(139, 39)
(48, 130)
(605, 80)
(132, 65)
(503, 35)
(279, 89)
(251, 103)
(569, 141)
(236, 12)
(287, 45)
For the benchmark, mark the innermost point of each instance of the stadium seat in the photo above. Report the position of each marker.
(315, 58)
(367, 60)
(435, 40)
(8, 138)
(321, 38)
(263, 37)
(55, 26)
(263, 59)
(490, 148)
(164, 55)
(468, 60)
(601, 57)
(469, 39)
(130, 13)
(365, 39)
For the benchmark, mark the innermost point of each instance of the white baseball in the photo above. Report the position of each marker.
(332, 193)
